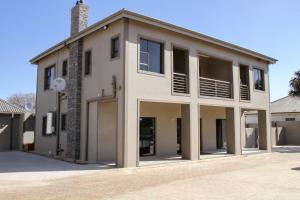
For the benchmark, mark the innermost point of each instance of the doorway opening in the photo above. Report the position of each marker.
(147, 136)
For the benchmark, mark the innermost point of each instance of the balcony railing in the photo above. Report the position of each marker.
(244, 92)
(180, 83)
(215, 88)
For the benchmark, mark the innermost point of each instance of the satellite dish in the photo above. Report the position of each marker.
(29, 106)
(58, 84)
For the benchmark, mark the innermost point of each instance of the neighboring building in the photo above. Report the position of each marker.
(13, 124)
(137, 86)
(285, 115)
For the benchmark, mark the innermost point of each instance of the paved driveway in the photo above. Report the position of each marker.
(261, 176)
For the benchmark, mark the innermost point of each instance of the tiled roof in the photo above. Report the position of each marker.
(6, 107)
(286, 104)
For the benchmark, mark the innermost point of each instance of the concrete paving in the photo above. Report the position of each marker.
(259, 176)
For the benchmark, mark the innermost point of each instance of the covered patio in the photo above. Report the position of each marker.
(163, 133)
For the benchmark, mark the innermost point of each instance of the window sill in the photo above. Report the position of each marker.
(245, 101)
(151, 73)
(49, 135)
(87, 75)
(181, 94)
(115, 58)
(216, 98)
(261, 91)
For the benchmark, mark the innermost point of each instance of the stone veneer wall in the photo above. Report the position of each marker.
(79, 21)
(79, 18)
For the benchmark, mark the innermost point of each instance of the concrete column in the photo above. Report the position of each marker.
(233, 127)
(190, 131)
(131, 134)
(120, 128)
(243, 129)
(236, 81)
(264, 130)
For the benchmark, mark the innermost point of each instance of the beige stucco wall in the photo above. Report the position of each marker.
(209, 115)
(142, 86)
(166, 125)
(103, 68)
(101, 78)
(47, 102)
(107, 132)
(145, 86)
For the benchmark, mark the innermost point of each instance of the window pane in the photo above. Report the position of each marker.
(258, 79)
(88, 57)
(143, 45)
(65, 68)
(154, 57)
(115, 47)
(63, 122)
(144, 58)
(144, 67)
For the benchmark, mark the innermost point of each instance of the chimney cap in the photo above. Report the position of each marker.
(80, 2)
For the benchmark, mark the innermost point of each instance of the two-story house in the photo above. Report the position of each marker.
(138, 87)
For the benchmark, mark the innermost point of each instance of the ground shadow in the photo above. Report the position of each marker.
(286, 149)
(296, 168)
(29, 162)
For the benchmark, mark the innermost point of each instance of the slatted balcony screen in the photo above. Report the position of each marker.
(244, 92)
(215, 88)
(180, 83)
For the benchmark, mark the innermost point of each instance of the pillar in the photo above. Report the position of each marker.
(233, 127)
(190, 131)
(264, 130)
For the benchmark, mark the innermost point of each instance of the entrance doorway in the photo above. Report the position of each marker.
(147, 136)
(220, 133)
(179, 136)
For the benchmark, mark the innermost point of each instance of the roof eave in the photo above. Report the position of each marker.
(135, 16)
(87, 31)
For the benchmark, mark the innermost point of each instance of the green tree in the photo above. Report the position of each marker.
(295, 84)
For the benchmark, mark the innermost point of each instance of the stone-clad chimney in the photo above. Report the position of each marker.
(79, 22)
(79, 17)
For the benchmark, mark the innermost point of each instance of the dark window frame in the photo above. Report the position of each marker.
(88, 62)
(44, 125)
(115, 47)
(147, 54)
(261, 77)
(48, 76)
(63, 123)
(64, 70)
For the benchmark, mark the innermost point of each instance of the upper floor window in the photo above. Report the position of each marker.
(63, 122)
(44, 125)
(115, 48)
(87, 62)
(65, 68)
(151, 56)
(259, 82)
(49, 76)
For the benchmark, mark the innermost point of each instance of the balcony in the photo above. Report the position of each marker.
(215, 77)
(180, 83)
(215, 88)
(244, 83)
(244, 92)
(180, 71)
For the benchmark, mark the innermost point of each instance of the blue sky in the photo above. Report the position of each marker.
(270, 27)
